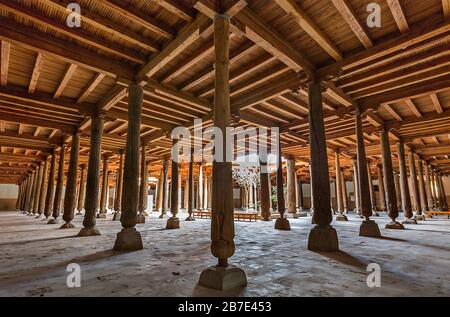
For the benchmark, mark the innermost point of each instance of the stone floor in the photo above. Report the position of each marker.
(34, 257)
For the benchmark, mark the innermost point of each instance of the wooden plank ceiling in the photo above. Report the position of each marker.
(51, 75)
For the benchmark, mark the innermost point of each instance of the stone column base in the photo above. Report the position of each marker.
(140, 218)
(128, 239)
(67, 225)
(87, 232)
(409, 221)
(419, 217)
(79, 213)
(341, 217)
(190, 218)
(40, 216)
(101, 215)
(323, 239)
(369, 228)
(282, 224)
(144, 213)
(394, 225)
(223, 278)
(116, 216)
(173, 223)
(53, 221)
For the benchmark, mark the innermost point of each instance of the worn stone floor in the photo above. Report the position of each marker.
(34, 257)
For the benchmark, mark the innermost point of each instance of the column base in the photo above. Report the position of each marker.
(88, 231)
(101, 215)
(223, 278)
(302, 214)
(67, 225)
(190, 218)
(341, 217)
(79, 213)
(282, 224)
(161, 216)
(116, 216)
(409, 221)
(394, 225)
(128, 239)
(419, 217)
(140, 218)
(323, 239)
(144, 213)
(375, 214)
(53, 221)
(39, 216)
(173, 223)
(369, 228)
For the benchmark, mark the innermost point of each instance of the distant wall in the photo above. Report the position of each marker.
(8, 196)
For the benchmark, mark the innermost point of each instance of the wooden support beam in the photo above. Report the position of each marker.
(36, 73)
(399, 15)
(436, 103)
(344, 8)
(176, 7)
(303, 20)
(4, 64)
(261, 34)
(446, 8)
(393, 113)
(413, 108)
(71, 69)
(91, 87)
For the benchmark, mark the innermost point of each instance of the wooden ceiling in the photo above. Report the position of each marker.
(52, 76)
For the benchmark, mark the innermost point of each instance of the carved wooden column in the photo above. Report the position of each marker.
(19, 195)
(443, 198)
(50, 188)
(180, 184)
(143, 188)
(82, 189)
(381, 190)
(251, 204)
(388, 173)
(434, 188)
(104, 192)
(165, 188)
(301, 199)
(222, 213)
(368, 228)
(428, 187)
(344, 192)
(37, 191)
(59, 187)
(323, 237)
(129, 239)
(282, 223)
(159, 197)
(71, 183)
(398, 190)
(30, 198)
(356, 187)
(118, 198)
(339, 190)
(190, 188)
(415, 185)
(200, 186)
(265, 190)
(43, 191)
(29, 190)
(173, 222)
(422, 191)
(373, 199)
(406, 198)
(291, 192)
(93, 177)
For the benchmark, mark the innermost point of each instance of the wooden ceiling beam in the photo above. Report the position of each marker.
(5, 50)
(36, 73)
(304, 21)
(393, 113)
(344, 8)
(413, 108)
(91, 87)
(446, 8)
(176, 7)
(436, 103)
(70, 71)
(399, 15)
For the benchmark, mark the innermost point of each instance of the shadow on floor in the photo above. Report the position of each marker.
(344, 258)
(200, 291)
(36, 240)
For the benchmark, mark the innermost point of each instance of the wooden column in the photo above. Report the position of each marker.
(71, 184)
(291, 180)
(29, 190)
(129, 239)
(186, 193)
(190, 188)
(428, 187)
(173, 222)
(301, 198)
(165, 188)
(180, 197)
(323, 237)
(434, 188)
(356, 187)
(159, 197)
(50, 187)
(344, 192)
(143, 188)
(200, 187)
(265, 190)
(373, 199)
(118, 198)
(414, 183)
(398, 190)
(381, 189)
(37, 191)
(368, 228)
(406, 198)
(281, 223)
(339, 190)
(422, 190)
(19, 195)
(388, 173)
(82, 189)
(93, 177)
(104, 192)
(59, 187)
(43, 190)
(222, 212)
(443, 199)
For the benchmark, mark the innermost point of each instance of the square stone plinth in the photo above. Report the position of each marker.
(223, 278)
(369, 228)
(323, 239)
(129, 239)
(173, 223)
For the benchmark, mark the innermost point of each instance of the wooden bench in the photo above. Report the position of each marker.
(431, 213)
(239, 216)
